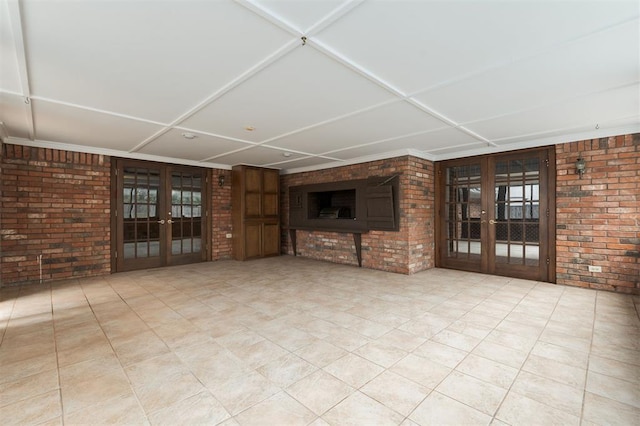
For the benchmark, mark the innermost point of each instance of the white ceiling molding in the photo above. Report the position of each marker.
(111, 153)
(16, 26)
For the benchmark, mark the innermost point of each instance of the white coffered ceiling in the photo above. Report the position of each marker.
(305, 84)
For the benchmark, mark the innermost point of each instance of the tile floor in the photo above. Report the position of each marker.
(288, 340)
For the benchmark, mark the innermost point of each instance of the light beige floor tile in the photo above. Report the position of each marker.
(242, 392)
(34, 410)
(280, 409)
(441, 353)
(321, 353)
(613, 368)
(464, 326)
(427, 325)
(421, 370)
(582, 344)
(28, 387)
(202, 409)
(346, 339)
(93, 368)
(554, 370)
(500, 353)
(353, 370)
(517, 409)
(613, 388)
(383, 355)
(510, 340)
(359, 409)
(79, 395)
(260, 353)
(123, 409)
(403, 340)
(478, 394)
(395, 392)
(319, 391)
(550, 392)
(604, 411)
(181, 334)
(456, 340)
(286, 370)
(560, 354)
(27, 367)
(488, 370)
(438, 409)
(139, 347)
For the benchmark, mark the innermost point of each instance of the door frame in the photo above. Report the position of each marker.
(117, 230)
(547, 270)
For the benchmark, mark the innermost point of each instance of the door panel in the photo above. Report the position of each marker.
(158, 210)
(495, 214)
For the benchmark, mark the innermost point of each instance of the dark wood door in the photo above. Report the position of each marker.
(159, 215)
(496, 214)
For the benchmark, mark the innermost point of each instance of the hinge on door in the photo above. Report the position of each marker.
(116, 254)
(548, 212)
(546, 161)
(548, 261)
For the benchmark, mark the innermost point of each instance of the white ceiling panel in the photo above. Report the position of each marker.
(485, 75)
(257, 156)
(303, 88)
(414, 45)
(300, 14)
(585, 111)
(154, 60)
(172, 144)
(596, 63)
(390, 120)
(14, 115)
(9, 75)
(64, 124)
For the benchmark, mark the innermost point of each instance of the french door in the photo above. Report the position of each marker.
(159, 215)
(496, 214)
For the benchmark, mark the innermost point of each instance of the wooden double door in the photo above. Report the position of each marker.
(159, 215)
(496, 214)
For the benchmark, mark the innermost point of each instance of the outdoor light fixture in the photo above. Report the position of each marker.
(580, 166)
(221, 181)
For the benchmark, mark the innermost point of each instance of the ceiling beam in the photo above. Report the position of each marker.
(15, 18)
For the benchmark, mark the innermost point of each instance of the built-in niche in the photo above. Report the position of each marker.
(330, 205)
(346, 206)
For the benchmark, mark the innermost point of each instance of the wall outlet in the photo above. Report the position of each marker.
(595, 268)
(229, 235)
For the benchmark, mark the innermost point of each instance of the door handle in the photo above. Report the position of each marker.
(161, 222)
(169, 221)
(492, 222)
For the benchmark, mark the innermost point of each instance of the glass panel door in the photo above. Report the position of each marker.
(496, 214)
(140, 221)
(463, 216)
(159, 210)
(185, 217)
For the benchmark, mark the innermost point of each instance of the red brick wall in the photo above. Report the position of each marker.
(221, 216)
(54, 204)
(598, 216)
(406, 251)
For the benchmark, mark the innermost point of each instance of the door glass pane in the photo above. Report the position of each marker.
(517, 211)
(463, 212)
(186, 212)
(140, 213)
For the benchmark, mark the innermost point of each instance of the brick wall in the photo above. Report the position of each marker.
(406, 251)
(598, 216)
(55, 204)
(221, 216)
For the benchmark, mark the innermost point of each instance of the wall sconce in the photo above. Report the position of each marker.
(580, 166)
(220, 181)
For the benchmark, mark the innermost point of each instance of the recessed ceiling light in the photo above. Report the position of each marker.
(188, 135)
(249, 128)
(286, 154)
